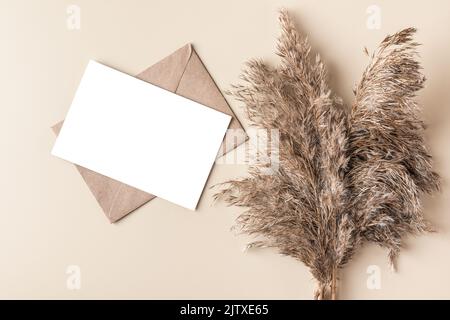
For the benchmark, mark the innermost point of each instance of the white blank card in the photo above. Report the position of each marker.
(141, 135)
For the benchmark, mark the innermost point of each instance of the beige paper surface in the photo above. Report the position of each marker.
(183, 73)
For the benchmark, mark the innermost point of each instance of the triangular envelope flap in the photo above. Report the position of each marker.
(168, 72)
(198, 85)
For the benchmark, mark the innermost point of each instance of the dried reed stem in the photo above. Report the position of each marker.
(344, 177)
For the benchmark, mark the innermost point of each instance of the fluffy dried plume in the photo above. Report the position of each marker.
(389, 164)
(344, 177)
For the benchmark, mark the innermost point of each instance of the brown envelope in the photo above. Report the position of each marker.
(182, 73)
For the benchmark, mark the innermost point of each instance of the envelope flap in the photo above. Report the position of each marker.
(197, 84)
(168, 72)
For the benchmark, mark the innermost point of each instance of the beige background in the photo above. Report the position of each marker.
(49, 219)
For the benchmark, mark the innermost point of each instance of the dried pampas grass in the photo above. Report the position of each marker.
(344, 177)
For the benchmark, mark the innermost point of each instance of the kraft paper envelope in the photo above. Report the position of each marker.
(182, 73)
(142, 135)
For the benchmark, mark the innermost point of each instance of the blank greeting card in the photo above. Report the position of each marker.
(141, 135)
